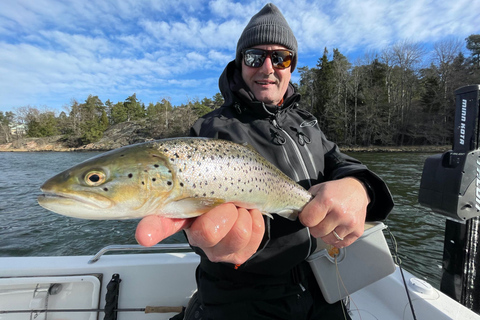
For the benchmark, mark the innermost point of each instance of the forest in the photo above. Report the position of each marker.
(402, 95)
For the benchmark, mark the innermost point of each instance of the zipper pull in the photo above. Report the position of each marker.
(303, 139)
(277, 137)
(275, 123)
(238, 108)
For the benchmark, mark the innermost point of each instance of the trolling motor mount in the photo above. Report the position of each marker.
(450, 183)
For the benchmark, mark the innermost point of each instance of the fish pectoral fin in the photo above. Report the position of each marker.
(289, 214)
(191, 207)
(267, 214)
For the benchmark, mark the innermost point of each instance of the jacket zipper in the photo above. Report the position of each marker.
(303, 165)
(297, 153)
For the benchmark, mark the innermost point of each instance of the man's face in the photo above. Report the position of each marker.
(267, 83)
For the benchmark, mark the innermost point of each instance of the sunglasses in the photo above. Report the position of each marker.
(254, 58)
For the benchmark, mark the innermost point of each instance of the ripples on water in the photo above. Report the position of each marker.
(418, 232)
(26, 229)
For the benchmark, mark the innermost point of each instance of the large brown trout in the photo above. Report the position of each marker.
(176, 178)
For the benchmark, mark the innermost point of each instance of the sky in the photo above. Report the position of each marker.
(55, 51)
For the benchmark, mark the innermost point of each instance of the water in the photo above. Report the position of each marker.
(418, 232)
(26, 229)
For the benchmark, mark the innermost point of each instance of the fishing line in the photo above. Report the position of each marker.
(340, 281)
(398, 261)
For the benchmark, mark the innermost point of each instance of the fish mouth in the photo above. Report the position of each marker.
(93, 201)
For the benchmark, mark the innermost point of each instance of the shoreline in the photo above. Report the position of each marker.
(53, 145)
(412, 149)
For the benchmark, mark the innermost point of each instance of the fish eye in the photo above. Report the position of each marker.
(95, 178)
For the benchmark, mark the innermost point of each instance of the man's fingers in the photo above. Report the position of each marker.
(258, 231)
(153, 229)
(238, 236)
(225, 233)
(210, 228)
(242, 241)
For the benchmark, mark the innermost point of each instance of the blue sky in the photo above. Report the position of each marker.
(53, 51)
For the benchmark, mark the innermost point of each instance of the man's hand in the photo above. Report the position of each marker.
(225, 233)
(340, 206)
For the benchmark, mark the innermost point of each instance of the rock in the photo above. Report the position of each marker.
(127, 133)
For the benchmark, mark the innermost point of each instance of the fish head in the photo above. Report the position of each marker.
(121, 184)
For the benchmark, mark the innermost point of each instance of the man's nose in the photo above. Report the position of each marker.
(267, 66)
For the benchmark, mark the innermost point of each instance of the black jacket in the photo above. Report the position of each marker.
(291, 139)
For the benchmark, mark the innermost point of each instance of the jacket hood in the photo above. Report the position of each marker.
(235, 91)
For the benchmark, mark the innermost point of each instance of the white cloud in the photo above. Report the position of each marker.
(53, 51)
(374, 24)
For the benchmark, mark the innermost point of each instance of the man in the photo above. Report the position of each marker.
(253, 267)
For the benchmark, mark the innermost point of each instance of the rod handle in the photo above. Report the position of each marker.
(163, 309)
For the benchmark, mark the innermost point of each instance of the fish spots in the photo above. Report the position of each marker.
(130, 175)
(105, 189)
(216, 168)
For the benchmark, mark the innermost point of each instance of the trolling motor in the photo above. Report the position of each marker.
(450, 186)
(450, 182)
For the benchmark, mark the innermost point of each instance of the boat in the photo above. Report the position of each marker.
(158, 284)
(135, 282)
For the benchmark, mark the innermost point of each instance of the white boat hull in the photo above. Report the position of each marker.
(167, 280)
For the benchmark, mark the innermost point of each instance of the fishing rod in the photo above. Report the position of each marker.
(147, 309)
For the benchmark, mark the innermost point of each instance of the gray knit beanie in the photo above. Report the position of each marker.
(268, 26)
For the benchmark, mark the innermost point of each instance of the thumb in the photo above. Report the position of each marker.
(153, 229)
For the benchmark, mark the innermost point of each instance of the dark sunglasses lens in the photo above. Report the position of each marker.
(281, 59)
(254, 58)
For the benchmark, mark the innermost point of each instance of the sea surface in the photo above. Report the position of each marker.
(26, 229)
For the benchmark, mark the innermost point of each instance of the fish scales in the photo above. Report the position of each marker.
(181, 178)
(219, 168)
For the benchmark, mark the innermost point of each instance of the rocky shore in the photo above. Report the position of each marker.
(108, 143)
(424, 149)
(117, 136)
